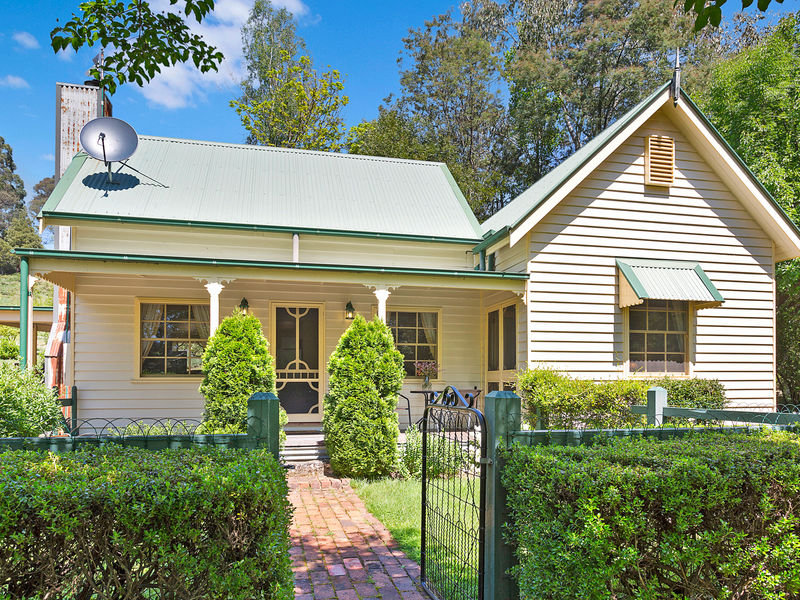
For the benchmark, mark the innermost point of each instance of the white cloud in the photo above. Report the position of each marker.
(48, 157)
(66, 55)
(180, 85)
(25, 40)
(12, 81)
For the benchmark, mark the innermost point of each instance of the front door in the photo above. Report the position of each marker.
(297, 344)
(501, 347)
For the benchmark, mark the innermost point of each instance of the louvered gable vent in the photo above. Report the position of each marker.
(659, 160)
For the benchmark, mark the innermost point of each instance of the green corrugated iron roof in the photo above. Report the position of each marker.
(233, 185)
(529, 200)
(668, 280)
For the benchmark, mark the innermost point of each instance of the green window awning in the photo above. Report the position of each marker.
(647, 279)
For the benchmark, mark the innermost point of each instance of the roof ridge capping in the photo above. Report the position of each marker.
(282, 150)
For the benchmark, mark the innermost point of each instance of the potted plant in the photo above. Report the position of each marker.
(427, 369)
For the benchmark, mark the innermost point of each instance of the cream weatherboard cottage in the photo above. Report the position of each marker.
(651, 250)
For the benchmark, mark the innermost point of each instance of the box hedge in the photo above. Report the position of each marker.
(554, 400)
(130, 523)
(706, 516)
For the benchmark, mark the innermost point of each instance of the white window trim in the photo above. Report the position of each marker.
(137, 328)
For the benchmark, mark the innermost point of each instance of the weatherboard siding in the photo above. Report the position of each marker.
(575, 322)
(105, 338)
(252, 245)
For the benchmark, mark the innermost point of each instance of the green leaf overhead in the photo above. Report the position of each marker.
(139, 41)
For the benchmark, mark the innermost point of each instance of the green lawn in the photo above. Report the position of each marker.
(397, 504)
(9, 291)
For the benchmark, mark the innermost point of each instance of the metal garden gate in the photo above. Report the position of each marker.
(453, 497)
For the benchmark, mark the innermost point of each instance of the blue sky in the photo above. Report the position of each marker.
(360, 38)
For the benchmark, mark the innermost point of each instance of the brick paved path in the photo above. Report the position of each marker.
(339, 550)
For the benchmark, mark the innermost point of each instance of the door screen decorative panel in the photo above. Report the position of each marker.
(297, 359)
(501, 347)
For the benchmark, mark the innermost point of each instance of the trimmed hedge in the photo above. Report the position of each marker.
(130, 523)
(562, 402)
(360, 422)
(706, 516)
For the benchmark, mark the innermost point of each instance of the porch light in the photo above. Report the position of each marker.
(244, 305)
(349, 311)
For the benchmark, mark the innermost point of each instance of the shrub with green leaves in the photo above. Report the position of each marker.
(360, 423)
(130, 523)
(9, 350)
(705, 516)
(27, 406)
(554, 400)
(236, 365)
(444, 456)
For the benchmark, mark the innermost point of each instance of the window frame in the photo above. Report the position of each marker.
(439, 338)
(691, 323)
(137, 336)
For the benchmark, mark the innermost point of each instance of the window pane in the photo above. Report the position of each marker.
(177, 330)
(509, 337)
(493, 350)
(153, 366)
(429, 327)
(152, 312)
(155, 348)
(407, 352)
(656, 303)
(201, 312)
(655, 363)
(638, 319)
(177, 366)
(406, 336)
(152, 329)
(197, 349)
(407, 319)
(637, 362)
(177, 348)
(677, 321)
(195, 366)
(655, 342)
(675, 342)
(410, 369)
(637, 342)
(426, 353)
(391, 319)
(656, 321)
(675, 363)
(177, 312)
(199, 330)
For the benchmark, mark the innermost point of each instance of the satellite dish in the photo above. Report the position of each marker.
(109, 139)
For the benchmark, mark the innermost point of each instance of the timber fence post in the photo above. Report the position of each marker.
(656, 402)
(503, 416)
(263, 425)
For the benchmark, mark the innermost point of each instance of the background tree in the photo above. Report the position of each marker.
(41, 191)
(140, 41)
(20, 233)
(12, 188)
(450, 109)
(754, 101)
(284, 101)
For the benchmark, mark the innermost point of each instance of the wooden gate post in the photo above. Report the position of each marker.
(263, 421)
(503, 416)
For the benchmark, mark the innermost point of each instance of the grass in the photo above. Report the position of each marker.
(397, 504)
(9, 291)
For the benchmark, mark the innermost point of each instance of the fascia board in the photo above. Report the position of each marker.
(739, 179)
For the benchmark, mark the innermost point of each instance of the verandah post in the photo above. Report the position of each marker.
(263, 424)
(503, 413)
(24, 299)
